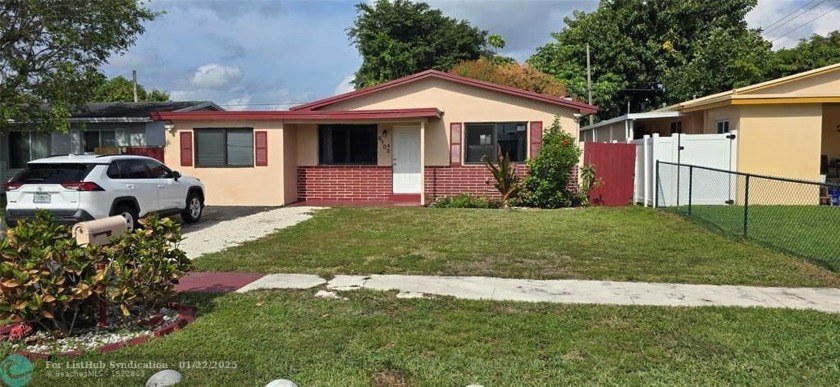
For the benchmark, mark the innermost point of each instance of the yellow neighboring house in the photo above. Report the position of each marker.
(788, 127)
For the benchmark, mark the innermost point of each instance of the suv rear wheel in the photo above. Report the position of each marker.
(192, 213)
(129, 214)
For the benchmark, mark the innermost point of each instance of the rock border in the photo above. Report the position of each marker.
(186, 315)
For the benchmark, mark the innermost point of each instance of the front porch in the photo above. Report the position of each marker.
(368, 163)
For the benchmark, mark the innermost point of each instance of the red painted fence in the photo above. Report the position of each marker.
(615, 165)
(153, 152)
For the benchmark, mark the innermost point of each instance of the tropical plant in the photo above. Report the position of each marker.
(547, 183)
(505, 177)
(587, 181)
(145, 264)
(47, 279)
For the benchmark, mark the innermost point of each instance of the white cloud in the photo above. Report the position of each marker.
(182, 95)
(345, 86)
(784, 23)
(216, 76)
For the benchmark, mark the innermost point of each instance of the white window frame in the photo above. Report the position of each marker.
(722, 126)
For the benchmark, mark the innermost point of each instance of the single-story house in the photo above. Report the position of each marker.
(788, 127)
(367, 145)
(100, 125)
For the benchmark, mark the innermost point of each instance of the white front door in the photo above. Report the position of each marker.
(405, 151)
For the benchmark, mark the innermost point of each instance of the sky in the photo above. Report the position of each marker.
(273, 54)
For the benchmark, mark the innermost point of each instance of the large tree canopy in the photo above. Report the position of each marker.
(119, 89)
(399, 38)
(51, 51)
(818, 51)
(655, 52)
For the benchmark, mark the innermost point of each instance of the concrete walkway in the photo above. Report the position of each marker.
(561, 291)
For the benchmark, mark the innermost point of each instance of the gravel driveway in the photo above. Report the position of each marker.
(227, 228)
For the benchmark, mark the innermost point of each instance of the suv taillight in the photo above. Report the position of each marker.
(12, 186)
(83, 186)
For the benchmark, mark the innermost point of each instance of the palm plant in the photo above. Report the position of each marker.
(504, 173)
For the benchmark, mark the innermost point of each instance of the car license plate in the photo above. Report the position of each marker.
(42, 198)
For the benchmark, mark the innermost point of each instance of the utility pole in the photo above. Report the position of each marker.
(134, 83)
(589, 82)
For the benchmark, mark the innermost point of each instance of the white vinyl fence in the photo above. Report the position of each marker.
(706, 150)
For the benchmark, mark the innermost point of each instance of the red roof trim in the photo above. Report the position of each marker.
(344, 115)
(582, 107)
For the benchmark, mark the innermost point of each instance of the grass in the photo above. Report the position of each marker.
(811, 232)
(628, 244)
(373, 339)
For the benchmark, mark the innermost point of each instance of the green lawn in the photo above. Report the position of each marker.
(630, 244)
(812, 232)
(373, 339)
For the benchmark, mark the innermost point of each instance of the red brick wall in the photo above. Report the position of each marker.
(344, 183)
(373, 183)
(471, 179)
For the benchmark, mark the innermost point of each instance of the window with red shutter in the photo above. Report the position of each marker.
(186, 149)
(261, 148)
(536, 137)
(455, 143)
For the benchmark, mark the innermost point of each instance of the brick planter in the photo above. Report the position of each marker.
(186, 315)
(344, 183)
(472, 179)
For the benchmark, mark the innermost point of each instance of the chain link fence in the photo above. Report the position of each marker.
(793, 216)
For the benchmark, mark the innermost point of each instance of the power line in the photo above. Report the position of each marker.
(771, 28)
(803, 25)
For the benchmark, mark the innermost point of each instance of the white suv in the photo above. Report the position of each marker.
(77, 188)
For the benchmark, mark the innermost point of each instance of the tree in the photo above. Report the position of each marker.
(51, 50)
(399, 38)
(547, 182)
(655, 52)
(816, 52)
(512, 74)
(119, 89)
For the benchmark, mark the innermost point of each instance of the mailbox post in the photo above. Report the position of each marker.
(99, 232)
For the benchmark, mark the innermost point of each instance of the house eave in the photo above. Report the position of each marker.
(634, 117)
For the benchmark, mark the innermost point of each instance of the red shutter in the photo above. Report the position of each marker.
(261, 147)
(536, 137)
(455, 143)
(186, 149)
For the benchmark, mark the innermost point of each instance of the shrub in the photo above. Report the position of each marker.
(547, 182)
(587, 181)
(507, 182)
(145, 264)
(50, 281)
(465, 201)
(47, 279)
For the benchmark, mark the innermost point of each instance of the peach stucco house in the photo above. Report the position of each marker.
(367, 145)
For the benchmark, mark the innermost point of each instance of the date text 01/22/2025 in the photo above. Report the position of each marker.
(207, 364)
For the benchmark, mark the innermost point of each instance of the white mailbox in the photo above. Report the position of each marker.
(98, 231)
